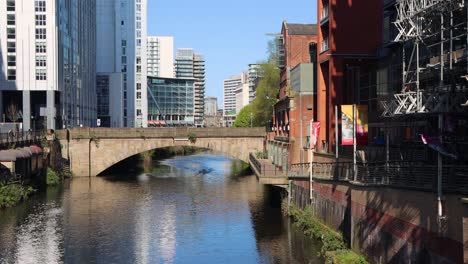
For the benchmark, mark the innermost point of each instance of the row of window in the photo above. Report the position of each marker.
(11, 40)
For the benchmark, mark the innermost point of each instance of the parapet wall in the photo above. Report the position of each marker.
(390, 225)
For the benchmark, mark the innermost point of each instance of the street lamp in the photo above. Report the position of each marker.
(251, 116)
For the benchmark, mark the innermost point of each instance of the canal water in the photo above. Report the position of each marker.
(189, 209)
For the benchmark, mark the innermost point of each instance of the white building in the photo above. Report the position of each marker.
(242, 95)
(121, 50)
(160, 56)
(47, 69)
(229, 97)
(191, 65)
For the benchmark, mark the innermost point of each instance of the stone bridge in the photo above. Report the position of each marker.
(93, 150)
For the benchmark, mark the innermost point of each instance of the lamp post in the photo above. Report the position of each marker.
(251, 116)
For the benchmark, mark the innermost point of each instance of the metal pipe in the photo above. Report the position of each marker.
(311, 181)
(336, 133)
(441, 49)
(439, 172)
(354, 141)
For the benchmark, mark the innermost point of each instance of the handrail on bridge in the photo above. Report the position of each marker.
(392, 173)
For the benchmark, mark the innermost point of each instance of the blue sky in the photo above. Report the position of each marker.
(230, 34)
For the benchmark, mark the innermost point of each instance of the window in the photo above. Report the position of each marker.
(11, 74)
(138, 85)
(40, 47)
(41, 61)
(40, 33)
(138, 42)
(122, 22)
(138, 68)
(138, 25)
(124, 43)
(124, 51)
(125, 95)
(138, 95)
(41, 74)
(138, 112)
(138, 7)
(40, 5)
(10, 5)
(11, 60)
(324, 46)
(11, 33)
(11, 19)
(124, 59)
(11, 47)
(40, 20)
(138, 60)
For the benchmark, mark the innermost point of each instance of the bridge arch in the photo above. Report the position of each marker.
(92, 152)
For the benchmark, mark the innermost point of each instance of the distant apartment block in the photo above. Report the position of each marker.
(121, 62)
(160, 56)
(255, 75)
(191, 65)
(47, 71)
(171, 102)
(229, 97)
(211, 106)
(242, 93)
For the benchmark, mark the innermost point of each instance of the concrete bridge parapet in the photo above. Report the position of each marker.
(93, 150)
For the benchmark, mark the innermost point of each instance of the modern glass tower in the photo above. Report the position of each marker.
(191, 65)
(121, 50)
(47, 61)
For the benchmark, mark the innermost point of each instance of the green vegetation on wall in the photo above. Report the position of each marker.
(12, 194)
(52, 177)
(334, 248)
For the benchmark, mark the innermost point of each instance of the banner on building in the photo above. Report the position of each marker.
(315, 133)
(347, 125)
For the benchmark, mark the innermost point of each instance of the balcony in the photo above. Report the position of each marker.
(324, 15)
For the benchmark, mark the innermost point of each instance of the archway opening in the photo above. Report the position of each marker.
(145, 161)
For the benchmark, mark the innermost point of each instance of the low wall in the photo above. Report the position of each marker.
(390, 225)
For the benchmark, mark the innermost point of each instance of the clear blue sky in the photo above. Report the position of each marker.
(230, 34)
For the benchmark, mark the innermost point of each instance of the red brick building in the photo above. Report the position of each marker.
(349, 34)
(297, 57)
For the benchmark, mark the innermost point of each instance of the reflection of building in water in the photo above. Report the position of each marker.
(39, 239)
(155, 231)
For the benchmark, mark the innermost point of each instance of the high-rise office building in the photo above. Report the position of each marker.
(191, 65)
(160, 56)
(121, 50)
(229, 93)
(255, 75)
(47, 69)
(211, 106)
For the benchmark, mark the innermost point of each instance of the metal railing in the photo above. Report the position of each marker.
(265, 169)
(21, 137)
(417, 175)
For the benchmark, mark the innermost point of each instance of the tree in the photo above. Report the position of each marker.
(266, 94)
(12, 112)
(243, 118)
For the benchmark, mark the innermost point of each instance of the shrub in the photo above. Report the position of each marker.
(52, 177)
(12, 194)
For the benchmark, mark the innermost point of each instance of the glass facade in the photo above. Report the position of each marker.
(170, 102)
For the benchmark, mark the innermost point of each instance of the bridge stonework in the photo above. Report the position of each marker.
(93, 150)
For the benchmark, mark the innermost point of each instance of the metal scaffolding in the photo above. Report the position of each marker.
(434, 77)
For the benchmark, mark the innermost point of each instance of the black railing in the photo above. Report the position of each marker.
(21, 137)
(417, 175)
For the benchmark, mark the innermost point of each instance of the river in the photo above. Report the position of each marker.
(189, 209)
